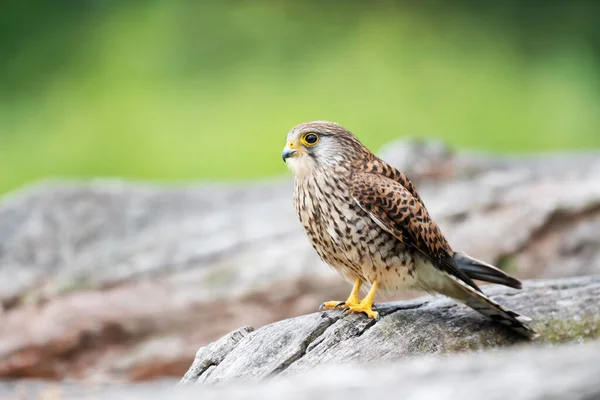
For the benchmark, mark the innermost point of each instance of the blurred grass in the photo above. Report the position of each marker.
(206, 90)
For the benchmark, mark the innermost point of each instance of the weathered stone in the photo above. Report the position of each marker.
(528, 373)
(209, 357)
(566, 310)
(518, 373)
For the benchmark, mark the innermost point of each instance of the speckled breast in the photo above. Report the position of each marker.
(347, 239)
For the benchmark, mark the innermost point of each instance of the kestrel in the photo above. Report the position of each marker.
(366, 220)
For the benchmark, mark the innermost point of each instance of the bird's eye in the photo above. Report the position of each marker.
(310, 139)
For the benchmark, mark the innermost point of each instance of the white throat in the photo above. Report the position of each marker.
(301, 167)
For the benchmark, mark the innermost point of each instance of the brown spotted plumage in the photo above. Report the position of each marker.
(367, 221)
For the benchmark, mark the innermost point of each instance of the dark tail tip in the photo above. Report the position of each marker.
(482, 271)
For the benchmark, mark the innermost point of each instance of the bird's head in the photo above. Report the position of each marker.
(318, 145)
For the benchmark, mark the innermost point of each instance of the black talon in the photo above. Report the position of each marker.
(341, 303)
(321, 306)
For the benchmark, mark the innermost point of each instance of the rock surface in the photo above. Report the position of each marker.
(564, 310)
(110, 279)
(529, 373)
(532, 373)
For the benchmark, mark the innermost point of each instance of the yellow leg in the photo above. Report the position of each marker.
(366, 305)
(352, 299)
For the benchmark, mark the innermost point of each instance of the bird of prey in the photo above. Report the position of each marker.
(367, 221)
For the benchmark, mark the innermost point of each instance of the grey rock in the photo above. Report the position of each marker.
(209, 357)
(566, 310)
(527, 373)
(532, 373)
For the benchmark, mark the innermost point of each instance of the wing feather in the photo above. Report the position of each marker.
(394, 208)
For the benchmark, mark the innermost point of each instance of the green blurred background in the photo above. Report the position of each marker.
(178, 90)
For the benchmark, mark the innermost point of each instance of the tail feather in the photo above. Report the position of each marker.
(488, 307)
(482, 271)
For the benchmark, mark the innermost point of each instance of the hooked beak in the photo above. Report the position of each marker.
(287, 153)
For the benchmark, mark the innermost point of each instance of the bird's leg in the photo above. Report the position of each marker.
(366, 305)
(352, 299)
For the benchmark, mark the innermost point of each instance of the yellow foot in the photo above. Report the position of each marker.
(353, 305)
(337, 305)
(352, 299)
(364, 308)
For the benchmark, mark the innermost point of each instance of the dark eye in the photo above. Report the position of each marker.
(310, 139)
